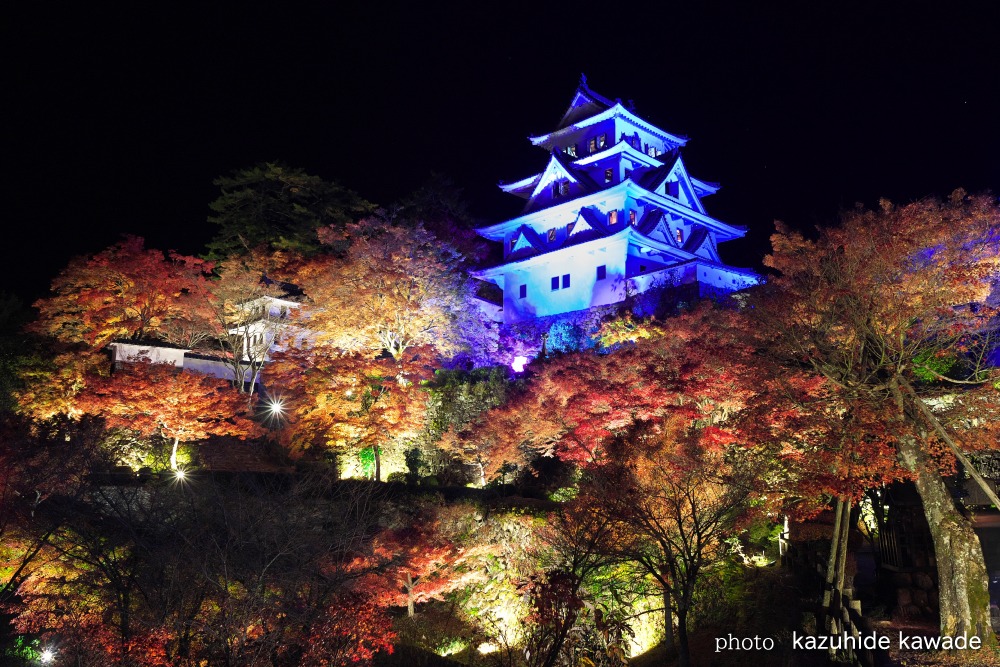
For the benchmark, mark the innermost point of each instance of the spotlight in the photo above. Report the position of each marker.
(276, 407)
(179, 474)
(47, 656)
(518, 364)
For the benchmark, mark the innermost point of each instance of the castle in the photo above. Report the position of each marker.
(613, 214)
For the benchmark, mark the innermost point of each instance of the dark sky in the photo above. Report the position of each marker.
(118, 119)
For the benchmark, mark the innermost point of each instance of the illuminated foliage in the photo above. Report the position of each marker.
(156, 399)
(697, 366)
(124, 292)
(868, 305)
(396, 288)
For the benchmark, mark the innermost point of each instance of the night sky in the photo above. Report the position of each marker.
(117, 120)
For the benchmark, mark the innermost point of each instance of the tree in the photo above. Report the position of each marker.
(156, 399)
(421, 553)
(698, 365)
(892, 306)
(275, 207)
(126, 292)
(349, 402)
(677, 498)
(245, 321)
(397, 287)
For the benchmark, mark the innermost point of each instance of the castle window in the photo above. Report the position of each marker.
(608, 174)
(628, 173)
(566, 281)
(552, 235)
(652, 151)
(592, 145)
(631, 217)
(571, 150)
(556, 191)
(555, 283)
(602, 272)
(522, 292)
(612, 218)
(642, 268)
(680, 235)
(569, 228)
(513, 242)
(602, 141)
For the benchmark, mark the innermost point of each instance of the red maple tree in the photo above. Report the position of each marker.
(157, 399)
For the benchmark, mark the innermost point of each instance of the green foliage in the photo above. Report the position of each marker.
(366, 460)
(280, 208)
(22, 649)
(457, 397)
(930, 365)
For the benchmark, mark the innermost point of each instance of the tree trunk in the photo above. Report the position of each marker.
(962, 580)
(668, 621)
(173, 455)
(683, 651)
(378, 463)
(409, 595)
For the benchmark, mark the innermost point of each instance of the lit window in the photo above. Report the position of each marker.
(563, 187)
(631, 217)
(569, 228)
(552, 235)
(555, 283)
(523, 292)
(565, 281)
(602, 141)
(602, 272)
(680, 235)
(592, 145)
(608, 174)
(652, 151)
(612, 218)
(571, 151)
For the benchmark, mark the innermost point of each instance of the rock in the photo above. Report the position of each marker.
(903, 597)
(923, 580)
(901, 579)
(920, 598)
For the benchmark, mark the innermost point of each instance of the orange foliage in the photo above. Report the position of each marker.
(123, 292)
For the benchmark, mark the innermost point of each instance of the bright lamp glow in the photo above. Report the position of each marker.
(518, 364)
(180, 475)
(276, 407)
(47, 656)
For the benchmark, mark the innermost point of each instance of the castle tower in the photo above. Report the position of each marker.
(614, 213)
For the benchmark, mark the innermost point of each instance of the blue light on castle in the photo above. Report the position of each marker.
(613, 214)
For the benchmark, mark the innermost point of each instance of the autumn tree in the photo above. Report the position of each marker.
(698, 366)
(126, 292)
(348, 403)
(419, 555)
(271, 206)
(156, 399)
(677, 498)
(397, 287)
(892, 306)
(246, 318)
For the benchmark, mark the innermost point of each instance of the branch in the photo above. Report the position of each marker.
(939, 429)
